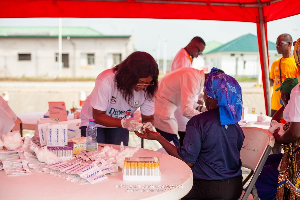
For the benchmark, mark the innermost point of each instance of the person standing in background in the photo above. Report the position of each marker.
(184, 58)
(283, 68)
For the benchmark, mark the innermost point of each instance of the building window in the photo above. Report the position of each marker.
(24, 56)
(116, 59)
(87, 60)
(65, 59)
(90, 59)
(113, 59)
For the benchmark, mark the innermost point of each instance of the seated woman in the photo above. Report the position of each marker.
(213, 141)
(267, 184)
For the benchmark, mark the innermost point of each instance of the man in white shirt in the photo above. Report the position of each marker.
(184, 58)
(178, 88)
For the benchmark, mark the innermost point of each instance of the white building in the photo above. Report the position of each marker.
(240, 57)
(33, 51)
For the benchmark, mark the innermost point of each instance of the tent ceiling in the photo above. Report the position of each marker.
(256, 11)
(224, 10)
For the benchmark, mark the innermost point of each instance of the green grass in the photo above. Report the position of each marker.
(246, 79)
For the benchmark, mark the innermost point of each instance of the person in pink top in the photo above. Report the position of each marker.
(184, 58)
(118, 93)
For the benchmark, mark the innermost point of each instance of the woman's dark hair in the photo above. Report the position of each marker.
(137, 65)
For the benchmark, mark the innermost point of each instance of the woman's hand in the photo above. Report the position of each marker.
(147, 134)
(130, 124)
(276, 134)
(149, 126)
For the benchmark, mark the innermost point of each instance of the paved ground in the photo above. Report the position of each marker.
(25, 97)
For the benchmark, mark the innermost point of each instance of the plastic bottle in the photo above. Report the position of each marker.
(91, 136)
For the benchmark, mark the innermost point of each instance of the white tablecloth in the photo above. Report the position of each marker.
(251, 121)
(174, 172)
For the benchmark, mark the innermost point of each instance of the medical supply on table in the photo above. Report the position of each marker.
(78, 147)
(77, 114)
(56, 133)
(53, 134)
(249, 124)
(91, 136)
(73, 128)
(87, 167)
(141, 169)
(12, 140)
(79, 144)
(64, 152)
(122, 146)
(13, 163)
(253, 110)
(261, 118)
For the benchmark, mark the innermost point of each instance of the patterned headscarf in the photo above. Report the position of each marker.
(227, 91)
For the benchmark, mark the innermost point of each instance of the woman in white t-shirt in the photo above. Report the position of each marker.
(117, 94)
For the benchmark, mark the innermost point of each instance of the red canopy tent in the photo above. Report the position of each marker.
(256, 11)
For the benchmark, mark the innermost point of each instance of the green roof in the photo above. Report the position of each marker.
(245, 43)
(211, 45)
(83, 32)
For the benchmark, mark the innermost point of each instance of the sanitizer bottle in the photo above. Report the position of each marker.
(91, 136)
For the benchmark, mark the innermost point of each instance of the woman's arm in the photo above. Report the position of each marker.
(105, 120)
(279, 114)
(146, 119)
(170, 149)
(290, 135)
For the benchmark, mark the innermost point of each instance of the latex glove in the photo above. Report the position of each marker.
(149, 126)
(131, 125)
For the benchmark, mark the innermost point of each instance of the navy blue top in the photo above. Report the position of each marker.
(214, 149)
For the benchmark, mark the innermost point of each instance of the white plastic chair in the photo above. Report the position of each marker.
(255, 150)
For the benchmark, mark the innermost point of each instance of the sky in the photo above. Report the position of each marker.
(166, 37)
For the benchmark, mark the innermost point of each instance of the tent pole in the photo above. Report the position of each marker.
(264, 64)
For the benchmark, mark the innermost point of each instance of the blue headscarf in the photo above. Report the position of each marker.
(227, 91)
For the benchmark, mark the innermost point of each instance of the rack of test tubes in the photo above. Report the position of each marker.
(141, 169)
(63, 152)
